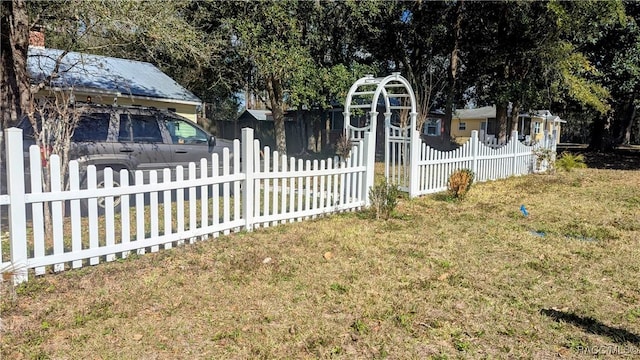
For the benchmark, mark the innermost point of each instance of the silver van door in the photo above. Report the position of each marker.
(189, 142)
(89, 142)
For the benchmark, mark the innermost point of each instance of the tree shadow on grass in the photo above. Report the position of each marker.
(593, 326)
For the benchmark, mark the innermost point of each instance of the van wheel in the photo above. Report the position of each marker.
(102, 200)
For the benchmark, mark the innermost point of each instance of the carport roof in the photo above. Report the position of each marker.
(485, 112)
(107, 74)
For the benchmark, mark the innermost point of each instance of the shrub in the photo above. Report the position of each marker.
(343, 147)
(545, 158)
(568, 162)
(459, 183)
(384, 199)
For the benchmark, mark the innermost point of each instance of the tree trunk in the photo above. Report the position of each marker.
(512, 122)
(274, 90)
(600, 136)
(501, 123)
(14, 86)
(453, 71)
(625, 123)
(15, 96)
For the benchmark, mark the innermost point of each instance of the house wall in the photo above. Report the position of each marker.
(550, 128)
(462, 136)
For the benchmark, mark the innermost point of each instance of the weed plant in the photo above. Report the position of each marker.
(459, 183)
(569, 162)
(384, 199)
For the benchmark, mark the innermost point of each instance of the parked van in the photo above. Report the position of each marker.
(131, 138)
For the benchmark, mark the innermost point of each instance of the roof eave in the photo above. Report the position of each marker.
(119, 94)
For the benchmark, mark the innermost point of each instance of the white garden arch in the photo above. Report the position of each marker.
(397, 95)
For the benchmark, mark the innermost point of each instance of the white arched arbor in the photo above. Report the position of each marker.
(397, 97)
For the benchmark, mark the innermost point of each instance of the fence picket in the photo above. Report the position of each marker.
(292, 187)
(215, 196)
(226, 207)
(37, 209)
(193, 202)
(109, 214)
(166, 203)
(125, 212)
(76, 223)
(153, 210)
(284, 193)
(140, 223)
(204, 195)
(92, 204)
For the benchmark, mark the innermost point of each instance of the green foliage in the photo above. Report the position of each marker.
(384, 199)
(459, 183)
(339, 288)
(568, 162)
(360, 327)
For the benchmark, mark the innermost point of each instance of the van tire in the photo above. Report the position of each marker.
(101, 201)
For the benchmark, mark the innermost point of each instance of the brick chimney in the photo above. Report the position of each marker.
(36, 38)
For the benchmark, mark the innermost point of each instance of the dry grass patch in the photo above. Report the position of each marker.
(440, 279)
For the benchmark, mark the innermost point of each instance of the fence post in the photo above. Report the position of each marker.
(369, 162)
(474, 152)
(514, 148)
(414, 156)
(17, 205)
(387, 130)
(248, 192)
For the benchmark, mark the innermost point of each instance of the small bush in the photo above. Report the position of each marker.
(459, 183)
(568, 162)
(545, 158)
(384, 199)
(343, 147)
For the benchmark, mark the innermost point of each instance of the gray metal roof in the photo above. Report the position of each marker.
(107, 74)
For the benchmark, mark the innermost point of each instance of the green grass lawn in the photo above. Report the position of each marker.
(441, 280)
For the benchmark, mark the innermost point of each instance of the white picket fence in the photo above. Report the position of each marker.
(486, 161)
(252, 190)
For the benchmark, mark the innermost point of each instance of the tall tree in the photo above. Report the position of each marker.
(414, 38)
(616, 54)
(507, 47)
(583, 70)
(288, 51)
(14, 43)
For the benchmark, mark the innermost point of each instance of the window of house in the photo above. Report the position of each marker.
(462, 126)
(432, 127)
(536, 128)
(491, 126)
(337, 120)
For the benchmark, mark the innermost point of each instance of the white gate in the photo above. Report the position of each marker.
(400, 134)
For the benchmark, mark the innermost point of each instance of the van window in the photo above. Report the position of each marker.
(183, 132)
(139, 128)
(92, 127)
